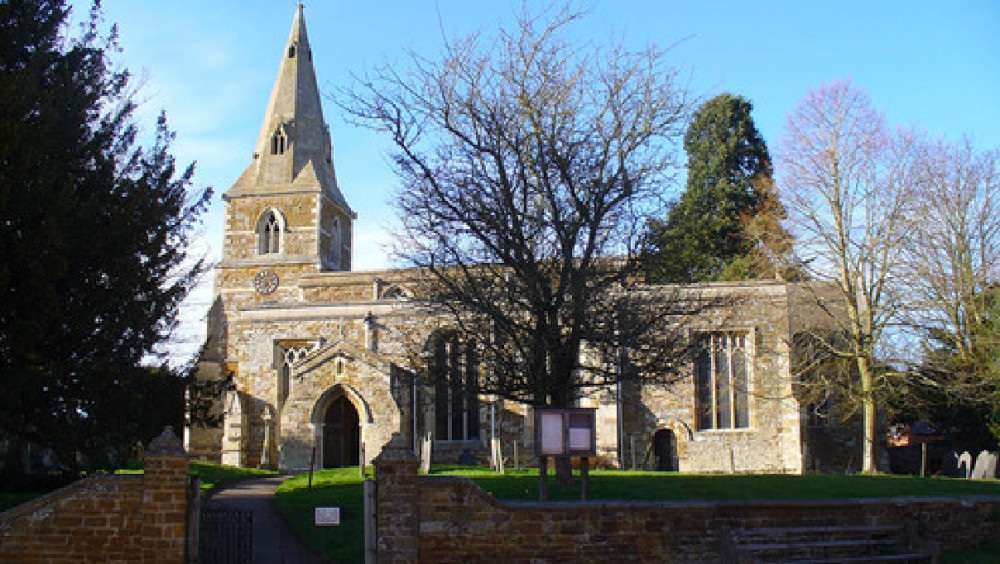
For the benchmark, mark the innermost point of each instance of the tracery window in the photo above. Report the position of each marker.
(454, 367)
(721, 380)
(290, 354)
(269, 233)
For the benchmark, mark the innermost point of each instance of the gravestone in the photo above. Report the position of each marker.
(965, 465)
(427, 445)
(467, 458)
(986, 466)
(950, 466)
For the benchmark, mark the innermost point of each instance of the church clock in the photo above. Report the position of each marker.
(265, 282)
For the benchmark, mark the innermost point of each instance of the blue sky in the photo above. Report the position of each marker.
(211, 66)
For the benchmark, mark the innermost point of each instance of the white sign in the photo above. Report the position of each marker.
(579, 438)
(552, 433)
(326, 516)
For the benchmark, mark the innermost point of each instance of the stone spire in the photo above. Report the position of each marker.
(293, 151)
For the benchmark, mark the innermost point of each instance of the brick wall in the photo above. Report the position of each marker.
(107, 519)
(440, 519)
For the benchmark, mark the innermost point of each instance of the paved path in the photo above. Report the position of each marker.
(273, 540)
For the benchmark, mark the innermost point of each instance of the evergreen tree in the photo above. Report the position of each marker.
(93, 237)
(726, 225)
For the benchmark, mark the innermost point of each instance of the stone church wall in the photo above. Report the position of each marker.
(345, 308)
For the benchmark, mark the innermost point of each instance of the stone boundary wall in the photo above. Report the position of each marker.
(107, 519)
(444, 519)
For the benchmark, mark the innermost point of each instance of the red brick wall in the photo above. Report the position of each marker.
(452, 520)
(105, 519)
(96, 519)
(459, 522)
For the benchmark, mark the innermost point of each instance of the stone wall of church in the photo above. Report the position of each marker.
(771, 441)
(344, 307)
(397, 330)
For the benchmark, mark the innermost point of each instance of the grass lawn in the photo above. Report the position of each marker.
(215, 476)
(342, 488)
(988, 553)
(339, 487)
(619, 485)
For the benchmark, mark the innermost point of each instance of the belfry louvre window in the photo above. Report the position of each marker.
(268, 233)
(456, 389)
(720, 371)
(279, 141)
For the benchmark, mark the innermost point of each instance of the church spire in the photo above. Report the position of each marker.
(293, 151)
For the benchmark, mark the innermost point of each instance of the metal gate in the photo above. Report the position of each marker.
(226, 535)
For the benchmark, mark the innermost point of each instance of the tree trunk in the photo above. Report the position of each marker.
(869, 465)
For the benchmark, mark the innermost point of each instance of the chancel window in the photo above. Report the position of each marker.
(720, 371)
(269, 233)
(454, 368)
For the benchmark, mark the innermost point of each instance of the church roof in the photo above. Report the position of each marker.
(294, 152)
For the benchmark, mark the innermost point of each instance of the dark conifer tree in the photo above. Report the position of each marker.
(713, 232)
(94, 230)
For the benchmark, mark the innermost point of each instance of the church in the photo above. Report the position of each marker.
(321, 355)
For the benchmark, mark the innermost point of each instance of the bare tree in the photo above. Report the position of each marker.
(848, 182)
(528, 167)
(953, 265)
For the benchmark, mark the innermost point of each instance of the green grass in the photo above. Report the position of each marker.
(215, 476)
(988, 553)
(340, 487)
(619, 485)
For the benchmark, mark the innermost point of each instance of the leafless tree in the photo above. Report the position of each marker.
(953, 264)
(848, 185)
(528, 166)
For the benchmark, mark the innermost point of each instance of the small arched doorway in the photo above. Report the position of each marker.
(665, 450)
(341, 434)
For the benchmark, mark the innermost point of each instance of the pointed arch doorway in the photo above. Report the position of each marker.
(341, 434)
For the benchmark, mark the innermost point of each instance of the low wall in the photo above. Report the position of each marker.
(441, 519)
(107, 519)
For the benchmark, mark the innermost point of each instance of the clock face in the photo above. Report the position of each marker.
(265, 282)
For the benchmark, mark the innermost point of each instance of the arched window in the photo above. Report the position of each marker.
(721, 380)
(454, 368)
(269, 228)
(288, 354)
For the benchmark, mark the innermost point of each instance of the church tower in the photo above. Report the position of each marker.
(286, 215)
(285, 218)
